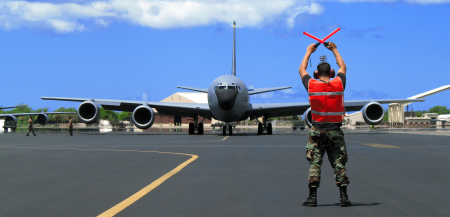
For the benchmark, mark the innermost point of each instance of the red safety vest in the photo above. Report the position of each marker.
(327, 100)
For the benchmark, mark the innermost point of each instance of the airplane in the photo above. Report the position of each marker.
(228, 101)
(11, 120)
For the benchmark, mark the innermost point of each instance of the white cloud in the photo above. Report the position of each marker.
(82, 15)
(78, 15)
(314, 8)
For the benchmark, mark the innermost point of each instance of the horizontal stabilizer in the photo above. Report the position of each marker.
(11, 107)
(203, 90)
(264, 90)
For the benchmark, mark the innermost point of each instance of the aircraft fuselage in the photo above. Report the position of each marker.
(228, 98)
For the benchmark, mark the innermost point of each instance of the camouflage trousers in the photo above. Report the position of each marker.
(332, 142)
(70, 130)
(30, 129)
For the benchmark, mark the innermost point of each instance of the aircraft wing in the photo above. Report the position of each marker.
(289, 109)
(164, 108)
(10, 107)
(28, 114)
(203, 90)
(264, 90)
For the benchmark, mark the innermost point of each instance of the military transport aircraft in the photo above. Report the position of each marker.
(228, 101)
(11, 120)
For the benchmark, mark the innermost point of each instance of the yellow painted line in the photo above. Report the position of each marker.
(138, 195)
(379, 145)
(225, 138)
(288, 131)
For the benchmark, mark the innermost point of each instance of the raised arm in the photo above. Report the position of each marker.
(302, 70)
(342, 67)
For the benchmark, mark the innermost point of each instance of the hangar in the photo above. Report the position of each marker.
(181, 97)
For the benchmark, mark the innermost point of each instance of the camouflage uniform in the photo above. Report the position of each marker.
(70, 128)
(30, 128)
(331, 141)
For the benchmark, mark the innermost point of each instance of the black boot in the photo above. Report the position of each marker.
(28, 135)
(344, 197)
(312, 198)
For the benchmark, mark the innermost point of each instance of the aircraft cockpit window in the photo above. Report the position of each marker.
(232, 87)
(222, 87)
(239, 88)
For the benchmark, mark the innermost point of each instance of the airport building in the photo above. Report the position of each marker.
(181, 97)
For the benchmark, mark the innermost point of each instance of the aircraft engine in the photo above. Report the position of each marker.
(42, 119)
(88, 112)
(11, 118)
(143, 117)
(373, 113)
(308, 118)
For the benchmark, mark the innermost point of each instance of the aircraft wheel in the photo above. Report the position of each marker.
(224, 130)
(269, 128)
(260, 129)
(200, 128)
(191, 128)
(230, 130)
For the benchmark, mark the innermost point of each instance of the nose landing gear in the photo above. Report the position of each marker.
(230, 129)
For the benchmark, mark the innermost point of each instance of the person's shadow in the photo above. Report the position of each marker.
(353, 204)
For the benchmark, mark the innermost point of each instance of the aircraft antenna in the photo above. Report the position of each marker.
(233, 67)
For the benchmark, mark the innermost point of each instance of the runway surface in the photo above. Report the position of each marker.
(52, 174)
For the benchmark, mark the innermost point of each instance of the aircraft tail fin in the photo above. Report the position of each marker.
(233, 66)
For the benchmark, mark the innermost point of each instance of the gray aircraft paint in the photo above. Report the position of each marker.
(240, 104)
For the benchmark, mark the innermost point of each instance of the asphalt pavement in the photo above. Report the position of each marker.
(175, 174)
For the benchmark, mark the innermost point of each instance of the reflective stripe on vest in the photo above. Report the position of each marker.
(327, 100)
(327, 113)
(325, 93)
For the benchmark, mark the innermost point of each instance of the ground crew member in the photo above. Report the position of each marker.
(326, 134)
(70, 126)
(30, 126)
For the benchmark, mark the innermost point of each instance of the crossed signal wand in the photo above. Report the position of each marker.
(322, 40)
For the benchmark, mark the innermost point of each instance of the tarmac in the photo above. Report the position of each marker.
(175, 174)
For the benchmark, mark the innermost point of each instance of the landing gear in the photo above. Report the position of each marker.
(264, 127)
(230, 129)
(260, 129)
(200, 128)
(196, 126)
(191, 128)
(224, 130)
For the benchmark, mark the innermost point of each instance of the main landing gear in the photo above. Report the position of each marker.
(264, 127)
(196, 126)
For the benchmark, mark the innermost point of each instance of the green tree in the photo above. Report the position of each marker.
(440, 110)
(108, 114)
(419, 114)
(125, 116)
(386, 115)
(295, 118)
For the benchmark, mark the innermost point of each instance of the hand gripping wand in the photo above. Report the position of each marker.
(322, 40)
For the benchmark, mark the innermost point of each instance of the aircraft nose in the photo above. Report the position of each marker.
(226, 98)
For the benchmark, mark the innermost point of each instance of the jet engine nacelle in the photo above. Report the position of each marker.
(143, 117)
(42, 119)
(308, 118)
(373, 113)
(88, 112)
(11, 118)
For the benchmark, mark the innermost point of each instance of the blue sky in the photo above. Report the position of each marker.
(113, 50)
